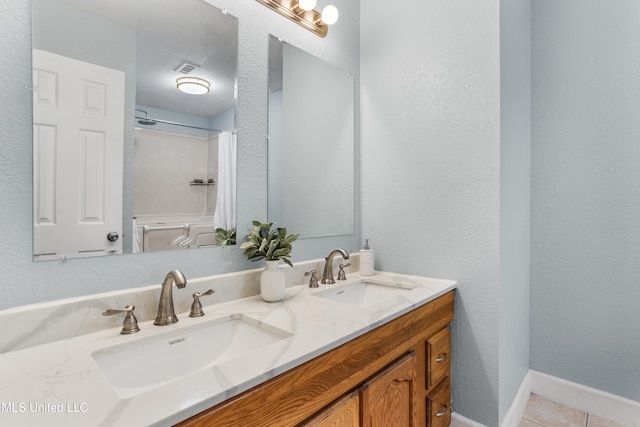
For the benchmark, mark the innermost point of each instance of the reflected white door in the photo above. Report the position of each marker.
(78, 133)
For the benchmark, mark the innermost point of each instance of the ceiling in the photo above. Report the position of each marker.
(171, 33)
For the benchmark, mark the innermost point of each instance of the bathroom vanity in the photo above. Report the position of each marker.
(397, 374)
(360, 352)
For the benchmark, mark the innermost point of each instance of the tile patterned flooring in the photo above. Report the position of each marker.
(541, 412)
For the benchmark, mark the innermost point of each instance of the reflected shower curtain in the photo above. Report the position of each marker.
(225, 213)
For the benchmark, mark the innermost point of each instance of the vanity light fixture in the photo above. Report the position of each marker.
(330, 14)
(307, 4)
(303, 13)
(193, 85)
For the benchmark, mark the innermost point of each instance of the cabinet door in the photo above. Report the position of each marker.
(439, 405)
(438, 357)
(344, 412)
(390, 398)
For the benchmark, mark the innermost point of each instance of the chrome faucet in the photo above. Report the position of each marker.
(327, 274)
(166, 314)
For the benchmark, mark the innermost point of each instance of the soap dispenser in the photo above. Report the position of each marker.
(366, 260)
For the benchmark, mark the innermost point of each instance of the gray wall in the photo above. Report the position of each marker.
(225, 120)
(585, 224)
(436, 171)
(515, 182)
(32, 282)
(430, 94)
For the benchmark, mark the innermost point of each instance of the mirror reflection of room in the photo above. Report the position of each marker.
(311, 143)
(134, 127)
(184, 182)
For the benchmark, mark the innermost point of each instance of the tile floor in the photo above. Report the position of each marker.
(541, 412)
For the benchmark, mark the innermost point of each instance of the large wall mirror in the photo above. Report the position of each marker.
(311, 143)
(124, 161)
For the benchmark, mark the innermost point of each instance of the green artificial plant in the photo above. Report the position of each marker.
(226, 237)
(265, 243)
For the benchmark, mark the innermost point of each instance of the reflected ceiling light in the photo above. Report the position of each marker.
(193, 85)
(302, 12)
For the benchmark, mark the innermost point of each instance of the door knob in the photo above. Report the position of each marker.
(112, 236)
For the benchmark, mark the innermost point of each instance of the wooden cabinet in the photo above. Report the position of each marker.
(438, 356)
(345, 412)
(395, 375)
(387, 399)
(439, 405)
(390, 398)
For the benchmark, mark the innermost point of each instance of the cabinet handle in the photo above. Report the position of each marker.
(442, 358)
(443, 411)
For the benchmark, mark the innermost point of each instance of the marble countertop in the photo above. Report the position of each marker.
(60, 384)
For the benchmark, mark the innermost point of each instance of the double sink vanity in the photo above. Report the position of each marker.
(360, 351)
(367, 350)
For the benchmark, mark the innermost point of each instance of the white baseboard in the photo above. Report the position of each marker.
(572, 394)
(458, 420)
(512, 419)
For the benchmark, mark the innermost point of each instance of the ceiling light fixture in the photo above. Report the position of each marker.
(302, 12)
(193, 85)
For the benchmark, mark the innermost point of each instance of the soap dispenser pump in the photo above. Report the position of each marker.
(366, 260)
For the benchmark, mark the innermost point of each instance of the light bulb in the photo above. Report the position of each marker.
(193, 85)
(330, 15)
(306, 4)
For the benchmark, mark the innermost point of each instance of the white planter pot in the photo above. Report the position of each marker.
(272, 284)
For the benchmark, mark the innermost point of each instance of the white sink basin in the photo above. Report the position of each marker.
(365, 293)
(144, 364)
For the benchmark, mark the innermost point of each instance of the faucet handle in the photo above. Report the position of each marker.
(313, 281)
(196, 307)
(341, 274)
(130, 324)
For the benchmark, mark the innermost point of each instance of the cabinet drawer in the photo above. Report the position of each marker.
(438, 357)
(439, 405)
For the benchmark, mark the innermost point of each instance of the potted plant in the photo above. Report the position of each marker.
(272, 245)
(226, 237)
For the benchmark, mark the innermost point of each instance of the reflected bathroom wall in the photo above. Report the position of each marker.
(176, 172)
(311, 143)
(168, 205)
